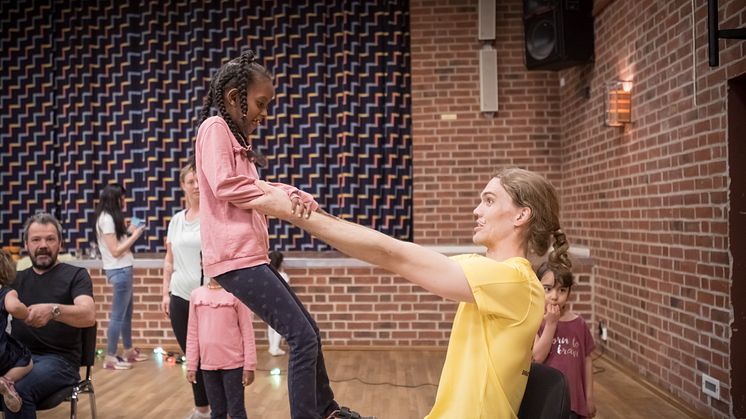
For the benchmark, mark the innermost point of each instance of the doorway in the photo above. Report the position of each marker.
(737, 235)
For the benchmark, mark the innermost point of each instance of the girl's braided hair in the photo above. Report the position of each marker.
(239, 73)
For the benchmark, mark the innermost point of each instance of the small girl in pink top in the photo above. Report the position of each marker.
(220, 339)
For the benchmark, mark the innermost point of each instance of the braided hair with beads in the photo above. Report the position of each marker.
(239, 73)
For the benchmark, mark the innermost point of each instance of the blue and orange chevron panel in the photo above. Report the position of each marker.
(110, 92)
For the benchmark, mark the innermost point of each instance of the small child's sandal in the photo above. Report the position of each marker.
(10, 397)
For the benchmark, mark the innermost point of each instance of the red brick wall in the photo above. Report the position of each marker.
(650, 200)
(353, 307)
(454, 159)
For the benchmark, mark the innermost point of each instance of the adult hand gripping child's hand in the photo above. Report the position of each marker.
(302, 208)
(274, 202)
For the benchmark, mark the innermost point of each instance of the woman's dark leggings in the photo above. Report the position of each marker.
(264, 291)
(179, 309)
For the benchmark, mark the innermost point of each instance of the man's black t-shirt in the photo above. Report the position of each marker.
(60, 285)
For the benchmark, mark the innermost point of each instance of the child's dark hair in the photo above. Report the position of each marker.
(275, 259)
(239, 73)
(7, 268)
(562, 277)
(110, 202)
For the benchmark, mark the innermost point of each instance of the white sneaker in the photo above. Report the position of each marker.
(276, 352)
(116, 363)
(198, 415)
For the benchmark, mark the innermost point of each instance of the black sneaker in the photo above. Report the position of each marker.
(346, 413)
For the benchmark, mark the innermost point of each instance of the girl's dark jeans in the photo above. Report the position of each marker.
(266, 294)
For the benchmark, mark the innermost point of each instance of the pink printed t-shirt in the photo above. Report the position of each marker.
(571, 344)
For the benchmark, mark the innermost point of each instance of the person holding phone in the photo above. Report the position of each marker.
(115, 239)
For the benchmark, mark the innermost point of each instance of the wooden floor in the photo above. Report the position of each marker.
(156, 389)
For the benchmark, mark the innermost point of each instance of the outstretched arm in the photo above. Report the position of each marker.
(427, 268)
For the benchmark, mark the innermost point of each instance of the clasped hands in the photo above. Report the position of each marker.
(279, 204)
(38, 315)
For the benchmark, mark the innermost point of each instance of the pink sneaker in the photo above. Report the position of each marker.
(134, 355)
(116, 363)
(10, 397)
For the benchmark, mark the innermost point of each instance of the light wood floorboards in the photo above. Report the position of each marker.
(155, 389)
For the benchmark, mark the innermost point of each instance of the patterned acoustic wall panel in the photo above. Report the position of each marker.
(102, 92)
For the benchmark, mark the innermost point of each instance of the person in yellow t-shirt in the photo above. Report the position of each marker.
(501, 300)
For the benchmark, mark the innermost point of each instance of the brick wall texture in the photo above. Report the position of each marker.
(649, 200)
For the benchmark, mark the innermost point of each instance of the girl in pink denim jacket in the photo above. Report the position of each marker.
(235, 241)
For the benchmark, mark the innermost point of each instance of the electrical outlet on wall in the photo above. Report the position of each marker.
(711, 386)
(603, 332)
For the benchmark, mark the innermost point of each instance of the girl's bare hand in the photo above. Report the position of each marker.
(552, 313)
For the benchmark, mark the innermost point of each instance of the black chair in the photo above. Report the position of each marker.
(547, 395)
(85, 386)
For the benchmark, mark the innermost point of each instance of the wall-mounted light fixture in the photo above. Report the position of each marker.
(618, 103)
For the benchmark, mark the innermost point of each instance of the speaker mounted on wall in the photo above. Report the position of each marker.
(558, 33)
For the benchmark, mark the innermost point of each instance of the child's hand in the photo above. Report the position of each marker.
(300, 208)
(275, 202)
(192, 377)
(552, 314)
(248, 378)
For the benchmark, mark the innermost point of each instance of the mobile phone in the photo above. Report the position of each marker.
(137, 222)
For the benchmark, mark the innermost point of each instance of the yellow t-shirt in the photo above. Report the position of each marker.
(489, 352)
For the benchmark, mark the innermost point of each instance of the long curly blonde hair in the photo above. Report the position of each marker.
(529, 189)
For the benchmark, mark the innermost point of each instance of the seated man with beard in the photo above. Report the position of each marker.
(60, 303)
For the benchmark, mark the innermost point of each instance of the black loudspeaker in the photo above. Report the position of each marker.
(559, 33)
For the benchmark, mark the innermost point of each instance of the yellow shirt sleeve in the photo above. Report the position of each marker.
(500, 288)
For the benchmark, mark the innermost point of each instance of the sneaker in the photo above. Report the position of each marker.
(276, 352)
(10, 397)
(116, 363)
(134, 355)
(196, 414)
(346, 413)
